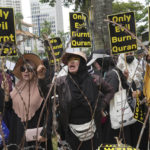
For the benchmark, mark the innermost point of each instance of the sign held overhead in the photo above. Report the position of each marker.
(7, 34)
(79, 31)
(121, 41)
(57, 47)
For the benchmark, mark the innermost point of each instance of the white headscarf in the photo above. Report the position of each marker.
(135, 70)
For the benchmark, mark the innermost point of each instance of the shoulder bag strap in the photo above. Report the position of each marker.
(120, 86)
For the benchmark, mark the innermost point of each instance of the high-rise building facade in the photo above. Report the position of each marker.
(16, 4)
(42, 12)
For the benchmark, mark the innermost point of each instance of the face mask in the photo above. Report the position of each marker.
(129, 59)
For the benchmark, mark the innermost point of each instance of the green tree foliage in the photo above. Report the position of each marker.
(52, 2)
(81, 5)
(126, 6)
(117, 7)
(64, 36)
(101, 8)
(18, 19)
(46, 28)
(139, 9)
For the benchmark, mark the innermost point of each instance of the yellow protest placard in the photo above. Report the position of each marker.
(79, 31)
(7, 34)
(121, 41)
(57, 47)
(115, 147)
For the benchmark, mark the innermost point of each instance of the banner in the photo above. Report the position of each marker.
(115, 147)
(79, 32)
(7, 34)
(121, 41)
(57, 47)
(139, 112)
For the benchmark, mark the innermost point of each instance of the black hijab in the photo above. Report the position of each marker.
(85, 82)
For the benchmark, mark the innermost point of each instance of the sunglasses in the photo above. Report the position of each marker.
(29, 69)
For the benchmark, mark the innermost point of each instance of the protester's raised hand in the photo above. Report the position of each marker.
(5, 87)
(136, 93)
(41, 70)
(126, 73)
(42, 139)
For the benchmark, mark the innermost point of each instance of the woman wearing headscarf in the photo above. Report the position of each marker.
(81, 100)
(26, 104)
(112, 78)
(129, 62)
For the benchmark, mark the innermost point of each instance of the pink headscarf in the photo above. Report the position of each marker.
(22, 104)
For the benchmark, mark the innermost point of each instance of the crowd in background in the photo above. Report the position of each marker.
(83, 92)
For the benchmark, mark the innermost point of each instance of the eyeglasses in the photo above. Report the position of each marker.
(29, 69)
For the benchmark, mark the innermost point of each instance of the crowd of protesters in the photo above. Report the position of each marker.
(83, 94)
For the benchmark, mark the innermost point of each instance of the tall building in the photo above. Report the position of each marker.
(42, 12)
(16, 4)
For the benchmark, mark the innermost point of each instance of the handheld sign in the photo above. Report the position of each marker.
(79, 32)
(57, 47)
(121, 41)
(7, 34)
(139, 112)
